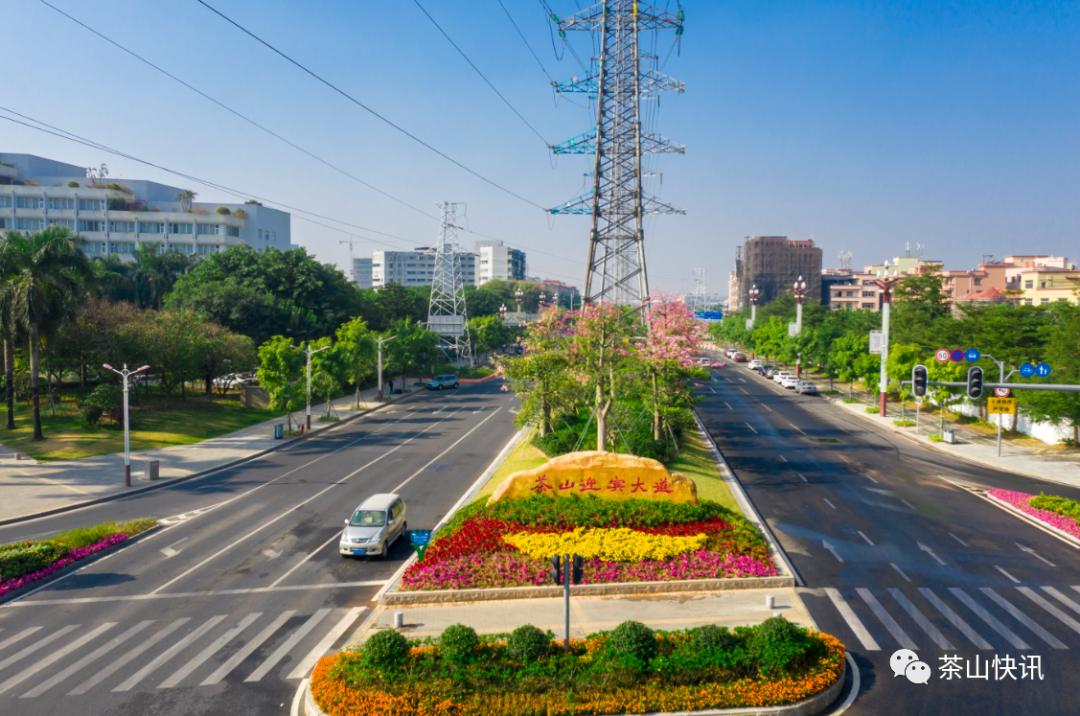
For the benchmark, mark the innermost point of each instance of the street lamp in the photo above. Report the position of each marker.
(518, 295)
(886, 281)
(799, 289)
(380, 341)
(126, 374)
(502, 313)
(309, 354)
(753, 293)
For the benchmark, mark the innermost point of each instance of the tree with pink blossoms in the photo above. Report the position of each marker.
(673, 338)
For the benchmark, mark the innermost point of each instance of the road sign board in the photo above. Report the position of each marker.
(419, 537)
(942, 356)
(1002, 392)
(1001, 406)
(877, 341)
(972, 354)
(1042, 370)
(1027, 370)
(957, 356)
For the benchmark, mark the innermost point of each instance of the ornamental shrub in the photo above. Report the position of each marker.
(619, 544)
(1061, 505)
(780, 647)
(459, 644)
(25, 557)
(385, 651)
(90, 414)
(711, 638)
(527, 643)
(633, 639)
(108, 399)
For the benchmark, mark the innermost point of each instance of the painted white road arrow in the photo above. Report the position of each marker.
(271, 554)
(832, 549)
(930, 552)
(171, 550)
(1035, 554)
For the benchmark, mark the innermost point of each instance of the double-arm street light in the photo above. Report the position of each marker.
(518, 296)
(310, 353)
(126, 375)
(380, 341)
(754, 293)
(886, 281)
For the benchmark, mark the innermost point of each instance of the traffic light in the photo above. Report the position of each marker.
(556, 572)
(975, 382)
(578, 570)
(919, 377)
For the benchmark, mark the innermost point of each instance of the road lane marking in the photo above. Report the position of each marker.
(767, 408)
(989, 618)
(871, 478)
(291, 510)
(955, 619)
(312, 553)
(133, 680)
(899, 571)
(743, 391)
(53, 657)
(12, 639)
(962, 542)
(83, 662)
(831, 548)
(915, 613)
(926, 548)
(308, 662)
(885, 618)
(1036, 555)
(453, 445)
(133, 653)
(287, 646)
(796, 427)
(863, 535)
(187, 595)
(1053, 592)
(233, 661)
(829, 503)
(802, 477)
(751, 428)
(215, 646)
(728, 405)
(1057, 613)
(853, 621)
(37, 645)
(845, 458)
(782, 458)
(1014, 579)
(912, 508)
(1024, 619)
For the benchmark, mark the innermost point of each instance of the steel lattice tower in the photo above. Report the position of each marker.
(616, 265)
(447, 316)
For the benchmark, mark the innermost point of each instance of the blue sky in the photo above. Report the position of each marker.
(864, 125)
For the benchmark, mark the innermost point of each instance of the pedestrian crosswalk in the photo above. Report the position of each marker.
(151, 654)
(948, 618)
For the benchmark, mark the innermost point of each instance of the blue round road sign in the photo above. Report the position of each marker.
(957, 356)
(1042, 370)
(1027, 370)
(972, 355)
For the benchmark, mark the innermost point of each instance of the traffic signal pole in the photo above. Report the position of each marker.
(566, 603)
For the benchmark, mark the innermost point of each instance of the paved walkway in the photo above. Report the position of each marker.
(736, 607)
(29, 487)
(1015, 458)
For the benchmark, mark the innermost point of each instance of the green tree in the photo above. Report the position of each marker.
(541, 375)
(489, 333)
(414, 349)
(1061, 349)
(354, 351)
(281, 374)
(602, 354)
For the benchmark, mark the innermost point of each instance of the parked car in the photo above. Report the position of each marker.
(738, 357)
(779, 375)
(446, 380)
(754, 364)
(374, 526)
(790, 382)
(768, 371)
(807, 388)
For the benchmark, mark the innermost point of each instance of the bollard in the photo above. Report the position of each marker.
(770, 601)
(776, 612)
(399, 619)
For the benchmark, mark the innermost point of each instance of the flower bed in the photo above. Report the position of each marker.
(1024, 502)
(23, 563)
(628, 670)
(507, 543)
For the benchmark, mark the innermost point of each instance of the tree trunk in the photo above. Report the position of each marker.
(601, 419)
(9, 380)
(357, 406)
(544, 418)
(209, 384)
(656, 408)
(35, 390)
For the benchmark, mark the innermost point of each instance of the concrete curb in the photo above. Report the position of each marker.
(76, 565)
(202, 473)
(1031, 519)
(807, 707)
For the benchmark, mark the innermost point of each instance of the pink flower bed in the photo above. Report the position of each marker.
(1022, 500)
(71, 557)
(701, 564)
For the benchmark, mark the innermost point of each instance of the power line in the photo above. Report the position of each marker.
(383, 118)
(476, 69)
(526, 42)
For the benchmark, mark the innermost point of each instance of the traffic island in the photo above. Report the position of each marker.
(773, 667)
(1057, 515)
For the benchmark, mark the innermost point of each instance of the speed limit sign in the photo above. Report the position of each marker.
(942, 356)
(1002, 392)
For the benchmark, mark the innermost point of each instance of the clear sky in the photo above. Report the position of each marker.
(863, 125)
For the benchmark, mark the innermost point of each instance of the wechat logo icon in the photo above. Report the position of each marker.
(905, 662)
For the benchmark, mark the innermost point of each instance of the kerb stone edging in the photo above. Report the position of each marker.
(812, 706)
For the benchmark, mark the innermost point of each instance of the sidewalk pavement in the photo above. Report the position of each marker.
(735, 607)
(1015, 458)
(30, 488)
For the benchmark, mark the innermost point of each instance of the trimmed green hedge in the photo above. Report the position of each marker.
(1061, 505)
(19, 558)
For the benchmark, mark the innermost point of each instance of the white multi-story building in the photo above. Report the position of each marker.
(114, 216)
(415, 268)
(362, 272)
(497, 261)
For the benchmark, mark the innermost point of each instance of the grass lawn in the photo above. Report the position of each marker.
(156, 422)
(695, 462)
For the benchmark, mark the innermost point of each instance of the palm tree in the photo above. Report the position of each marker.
(8, 330)
(46, 274)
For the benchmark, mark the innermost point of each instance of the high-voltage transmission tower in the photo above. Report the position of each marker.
(700, 296)
(446, 310)
(616, 265)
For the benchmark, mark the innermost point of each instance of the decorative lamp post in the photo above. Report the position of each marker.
(518, 295)
(380, 341)
(886, 281)
(126, 375)
(754, 293)
(502, 313)
(799, 290)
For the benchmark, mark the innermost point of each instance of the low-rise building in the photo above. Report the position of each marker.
(1041, 286)
(497, 261)
(416, 267)
(362, 272)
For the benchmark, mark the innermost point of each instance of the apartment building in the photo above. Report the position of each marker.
(416, 267)
(497, 261)
(114, 216)
(1039, 286)
(362, 272)
(773, 264)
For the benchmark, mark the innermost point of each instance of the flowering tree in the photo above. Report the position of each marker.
(601, 351)
(540, 375)
(673, 338)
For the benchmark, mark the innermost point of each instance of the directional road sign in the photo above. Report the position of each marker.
(942, 356)
(1027, 370)
(1042, 370)
(957, 356)
(972, 355)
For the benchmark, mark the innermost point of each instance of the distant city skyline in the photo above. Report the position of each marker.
(862, 127)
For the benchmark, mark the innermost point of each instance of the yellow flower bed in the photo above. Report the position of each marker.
(616, 544)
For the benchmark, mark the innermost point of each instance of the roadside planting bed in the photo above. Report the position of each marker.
(631, 669)
(23, 563)
(1058, 512)
(508, 543)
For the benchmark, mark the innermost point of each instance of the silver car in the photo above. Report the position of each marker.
(374, 526)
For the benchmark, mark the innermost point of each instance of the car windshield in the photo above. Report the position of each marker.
(368, 518)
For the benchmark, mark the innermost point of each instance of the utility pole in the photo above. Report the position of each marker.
(615, 272)
(380, 341)
(310, 353)
(447, 315)
(886, 282)
(126, 375)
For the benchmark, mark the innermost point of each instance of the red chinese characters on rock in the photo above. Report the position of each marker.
(566, 485)
(662, 485)
(638, 486)
(540, 485)
(588, 485)
(615, 485)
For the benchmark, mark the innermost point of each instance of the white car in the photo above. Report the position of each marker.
(779, 375)
(807, 388)
(790, 382)
(754, 364)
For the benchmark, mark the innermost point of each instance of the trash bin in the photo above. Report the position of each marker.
(153, 469)
(279, 431)
(948, 436)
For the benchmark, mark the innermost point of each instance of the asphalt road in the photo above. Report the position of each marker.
(896, 552)
(227, 608)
